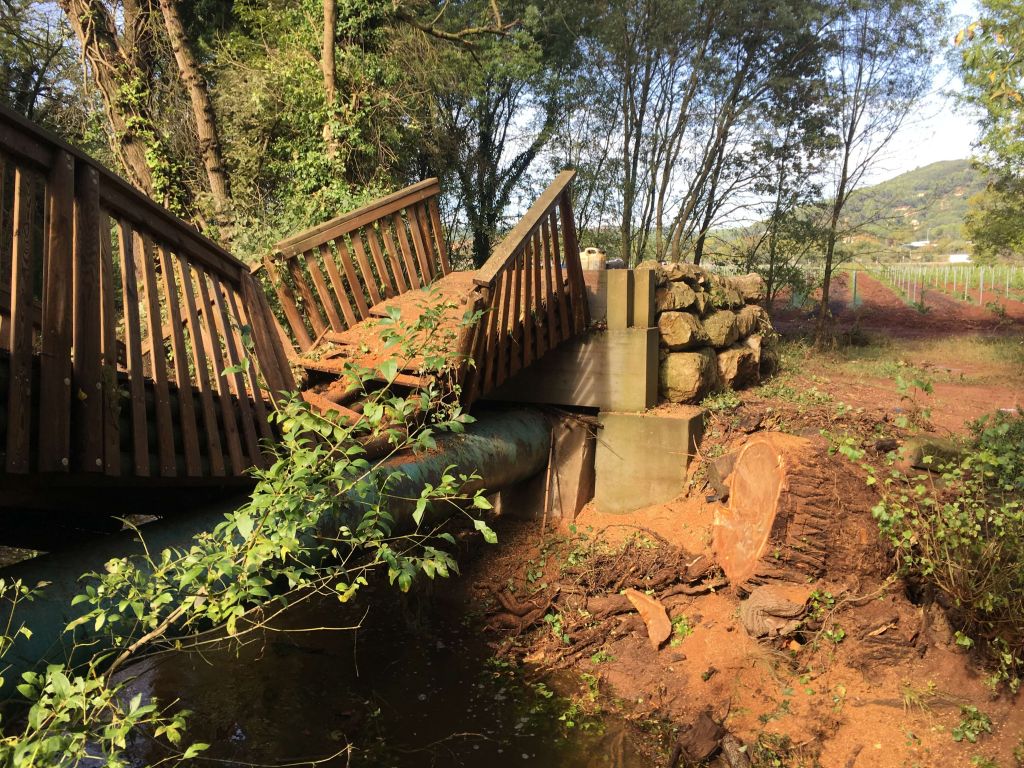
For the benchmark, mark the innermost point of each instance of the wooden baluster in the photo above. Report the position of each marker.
(549, 291)
(58, 311)
(581, 311)
(88, 358)
(19, 397)
(442, 245)
(393, 254)
(108, 340)
(291, 309)
(186, 404)
(489, 381)
(339, 287)
(312, 311)
(479, 351)
(238, 309)
(527, 304)
(144, 254)
(378, 261)
(234, 379)
(364, 267)
(198, 338)
(416, 279)
(321, 289)
(540, 317)
(213, 349)
(133, 349)
(518, 327)
(354, 285)
(504, 331)
(563, 298)
(420, 243)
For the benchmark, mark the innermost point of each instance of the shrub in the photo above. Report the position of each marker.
(964, 536)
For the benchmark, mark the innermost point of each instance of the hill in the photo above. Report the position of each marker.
(928, 203)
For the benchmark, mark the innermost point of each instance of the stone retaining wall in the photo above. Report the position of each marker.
(713, 332)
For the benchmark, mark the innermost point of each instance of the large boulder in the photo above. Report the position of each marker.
(737, 366)
(674, 296)
(752, 319)
(681, 330)
(723, 294)
(685, 377)
(660, 278)
(689, 273)
(721, 328)
(750, 287)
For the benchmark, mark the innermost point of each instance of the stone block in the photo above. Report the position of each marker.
(685, 377)
(681, 330)
(721, 328)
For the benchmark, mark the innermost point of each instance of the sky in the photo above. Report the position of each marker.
(941, 129)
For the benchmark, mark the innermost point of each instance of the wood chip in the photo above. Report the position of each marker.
(654, 615)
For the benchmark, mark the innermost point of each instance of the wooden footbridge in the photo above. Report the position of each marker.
(122, 328)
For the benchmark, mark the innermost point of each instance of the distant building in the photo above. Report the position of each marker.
(959, 258)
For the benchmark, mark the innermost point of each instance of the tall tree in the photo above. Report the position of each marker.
(882, 67)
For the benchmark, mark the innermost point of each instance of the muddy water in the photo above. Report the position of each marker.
(416, 685)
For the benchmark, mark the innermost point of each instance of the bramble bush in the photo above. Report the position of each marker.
(320, 519)
(961, 531)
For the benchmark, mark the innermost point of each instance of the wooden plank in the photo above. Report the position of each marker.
(343, 225)
(504, 330)
(321, 289)
(364, 267)
(19, 396)
(563, 298)
(581, 311)
(420, 244)
(212, 342)
(518, 327)
(200, 365)
(439, 239)
(378, 260)
(250, 391)
(133, 349)
(416, 279)
(308, 299)
(527, 353)
(493, 345)
(339, 287)
(474, 377)
(146, 257)
(353, 281)
(236, 379)
(186, 404)
(510, 244)
(291, 309)
(323, 406)
(539, 319)
(57, 319)
(270, 362)
(109, 351)
(544, 243)
(393, 254)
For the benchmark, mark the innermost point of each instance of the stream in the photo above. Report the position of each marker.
(416, 685)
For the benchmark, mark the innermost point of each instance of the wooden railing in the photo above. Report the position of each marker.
(533, 291)
(118, 323)
(374, 253)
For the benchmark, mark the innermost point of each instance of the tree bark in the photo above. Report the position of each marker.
(328, 66)
(786, 520)
(202, 107)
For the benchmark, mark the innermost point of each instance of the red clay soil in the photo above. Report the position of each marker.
(882, 309)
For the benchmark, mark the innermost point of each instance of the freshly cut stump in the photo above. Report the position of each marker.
(793, 513)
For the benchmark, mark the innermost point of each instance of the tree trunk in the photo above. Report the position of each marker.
(111, 69)
(786, 519)
(330, 74)
(202, 107)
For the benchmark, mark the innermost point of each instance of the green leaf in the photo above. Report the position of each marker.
(489, 536)
(389, 369)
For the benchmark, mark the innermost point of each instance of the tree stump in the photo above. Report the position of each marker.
(794, 512)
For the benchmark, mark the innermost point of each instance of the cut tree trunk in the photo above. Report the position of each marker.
(794, 513)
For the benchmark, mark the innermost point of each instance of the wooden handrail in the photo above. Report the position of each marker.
(122, 280)
(533, 291)
(514, 239)
(331, 276)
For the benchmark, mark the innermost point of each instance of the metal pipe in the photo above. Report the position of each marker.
(504, 447)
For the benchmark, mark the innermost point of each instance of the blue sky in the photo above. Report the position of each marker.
(941, 128)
